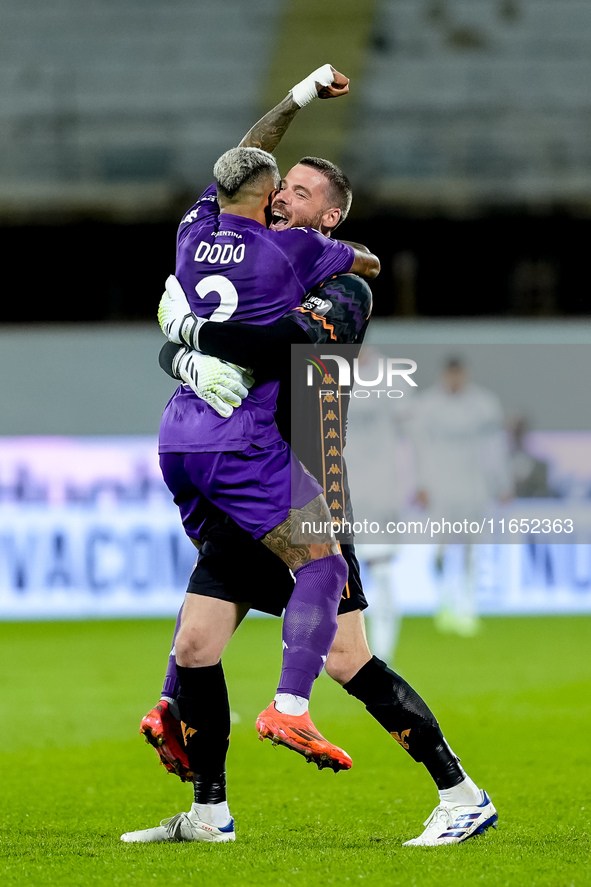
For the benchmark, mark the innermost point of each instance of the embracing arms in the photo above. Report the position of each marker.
(335, 312)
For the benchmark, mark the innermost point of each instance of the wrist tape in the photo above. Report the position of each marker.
(304, 91)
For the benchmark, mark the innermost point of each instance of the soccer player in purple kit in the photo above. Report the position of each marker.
(343, 307)
(231, 265)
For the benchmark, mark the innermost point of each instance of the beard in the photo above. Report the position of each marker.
(299, 220)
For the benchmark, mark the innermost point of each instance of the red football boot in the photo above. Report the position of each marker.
(298, 733)
(163, 731)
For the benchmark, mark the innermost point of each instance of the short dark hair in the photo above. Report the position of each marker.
(341, 193)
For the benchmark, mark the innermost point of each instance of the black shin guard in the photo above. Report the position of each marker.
(205, 719)
(401, 711)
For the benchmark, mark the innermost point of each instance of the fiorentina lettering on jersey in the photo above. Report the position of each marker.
(219, 254)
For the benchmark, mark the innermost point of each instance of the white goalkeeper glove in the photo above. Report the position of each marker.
(222, 385)
(177, 321)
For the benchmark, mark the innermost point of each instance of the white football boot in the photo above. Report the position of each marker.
(453, 824)
(182, 827)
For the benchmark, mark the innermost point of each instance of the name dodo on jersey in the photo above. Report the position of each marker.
(219, 254)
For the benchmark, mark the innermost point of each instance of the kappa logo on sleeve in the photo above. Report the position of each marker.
(190, 217)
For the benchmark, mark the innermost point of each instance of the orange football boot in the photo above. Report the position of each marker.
(298, 733)
(163, 731)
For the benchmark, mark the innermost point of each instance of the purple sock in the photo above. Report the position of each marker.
(310, 622)
(171, 681)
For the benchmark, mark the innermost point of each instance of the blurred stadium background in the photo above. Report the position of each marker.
(467, 137)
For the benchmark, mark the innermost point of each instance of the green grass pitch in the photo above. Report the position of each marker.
(514, 703)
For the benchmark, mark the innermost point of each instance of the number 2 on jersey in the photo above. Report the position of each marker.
(227, 292)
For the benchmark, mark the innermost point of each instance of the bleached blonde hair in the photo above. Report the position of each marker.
(241, 165)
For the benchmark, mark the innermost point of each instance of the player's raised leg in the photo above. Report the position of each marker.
(309, 627)
(268, 493)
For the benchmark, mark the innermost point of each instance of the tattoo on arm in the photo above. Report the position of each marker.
(269, 130)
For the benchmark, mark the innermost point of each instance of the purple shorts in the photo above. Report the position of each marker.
(255, 487)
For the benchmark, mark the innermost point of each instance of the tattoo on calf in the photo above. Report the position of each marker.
(305, 535)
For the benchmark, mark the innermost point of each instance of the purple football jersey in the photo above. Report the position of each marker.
(233, 267)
